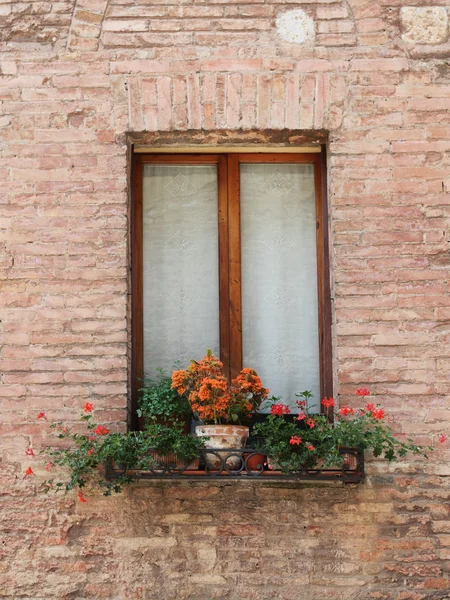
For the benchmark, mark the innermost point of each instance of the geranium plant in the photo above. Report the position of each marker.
(96, 446)
(305, 440)
(212, 398)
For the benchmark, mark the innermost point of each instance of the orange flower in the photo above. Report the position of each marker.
(362, 392)
(210, 395)
(378, 413)
(29, 471)
(101, 430)
(346, 410)
(328, 402)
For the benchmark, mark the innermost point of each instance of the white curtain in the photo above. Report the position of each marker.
(180, 258)
(279, 278)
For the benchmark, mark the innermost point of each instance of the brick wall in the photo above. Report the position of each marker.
(79, 79)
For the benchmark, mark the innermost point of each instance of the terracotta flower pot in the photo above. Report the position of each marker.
(170, 462)
(223, 437)
(255, 461)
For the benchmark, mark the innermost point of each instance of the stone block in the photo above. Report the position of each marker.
(424, 25)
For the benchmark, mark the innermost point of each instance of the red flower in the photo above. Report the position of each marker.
(41, 415)
(301, 415)
(88, 407)
(344, 411)
(101, 430)
(279, 409)
(301, 403)
(370, 407)
(311, 423)
(378, 413)
(328, 402)
(295, 440)
(49, 466)
(29, 471)
(442, 438)
(311, 447)
(81, 497)
(29, 452)
(90, 451)
(362, 392)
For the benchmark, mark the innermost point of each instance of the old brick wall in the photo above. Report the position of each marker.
(77, 78)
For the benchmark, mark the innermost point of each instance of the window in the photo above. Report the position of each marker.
(230, 252)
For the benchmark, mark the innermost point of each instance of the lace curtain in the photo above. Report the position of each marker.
(180, 257)
(279, 277)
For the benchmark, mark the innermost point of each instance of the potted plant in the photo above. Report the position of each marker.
(159, 402)
(310, 441)
(220, 406)
(172, 449)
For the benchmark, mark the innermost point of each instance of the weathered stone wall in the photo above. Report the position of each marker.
(76, 78)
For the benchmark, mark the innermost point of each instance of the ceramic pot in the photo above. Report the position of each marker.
(225, 438)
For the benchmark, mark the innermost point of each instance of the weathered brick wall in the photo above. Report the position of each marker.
(77, 77)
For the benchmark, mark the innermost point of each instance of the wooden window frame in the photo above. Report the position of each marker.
(230, 298)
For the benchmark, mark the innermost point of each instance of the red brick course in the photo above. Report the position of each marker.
(79, 80)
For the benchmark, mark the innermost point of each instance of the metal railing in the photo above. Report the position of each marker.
(245, 463)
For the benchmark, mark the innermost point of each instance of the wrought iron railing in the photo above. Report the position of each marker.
(245, 463)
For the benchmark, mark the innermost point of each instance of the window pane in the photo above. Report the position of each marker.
(279, 278)
(180, 258)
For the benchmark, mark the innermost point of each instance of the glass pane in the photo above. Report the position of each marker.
(279, 278)
(180, 257)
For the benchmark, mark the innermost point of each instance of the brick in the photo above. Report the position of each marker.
(164, 103)
(193, 101)
(234, 83)
(231, 65)
(125, 25)
(140, 66)
(379, 64)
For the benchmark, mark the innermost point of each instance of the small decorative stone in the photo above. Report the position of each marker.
(295, 26)
(424, 25)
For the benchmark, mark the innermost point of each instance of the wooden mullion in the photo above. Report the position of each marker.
(235, 312)
(137, 315)
(224, 263)
(323, 281)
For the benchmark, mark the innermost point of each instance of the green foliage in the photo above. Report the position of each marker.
(173, 439)
(158, 401)
(132, 450)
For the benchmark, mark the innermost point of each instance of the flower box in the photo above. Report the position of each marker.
(351, 470)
